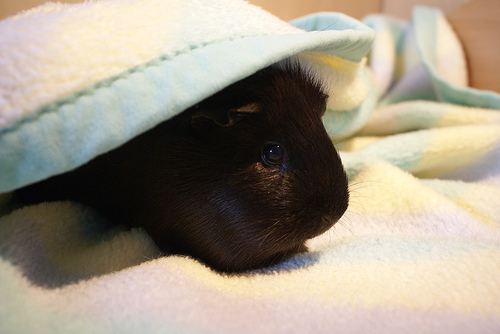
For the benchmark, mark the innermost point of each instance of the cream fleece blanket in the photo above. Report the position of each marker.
(417, 251)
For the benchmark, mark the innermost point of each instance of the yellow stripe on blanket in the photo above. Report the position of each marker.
(454, 147)
(346, 87)
(455, 115)
(334, 61)
(382, 188)
(478, 199)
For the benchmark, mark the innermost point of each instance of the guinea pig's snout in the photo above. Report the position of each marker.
(326, 223)
(330, 216)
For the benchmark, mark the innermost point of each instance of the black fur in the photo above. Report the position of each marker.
(198, 183)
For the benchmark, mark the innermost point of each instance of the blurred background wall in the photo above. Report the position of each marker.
(289, 9)
(477, 23)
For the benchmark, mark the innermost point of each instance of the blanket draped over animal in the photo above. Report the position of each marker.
(417, 251)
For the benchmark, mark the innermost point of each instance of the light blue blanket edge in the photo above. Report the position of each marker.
(425, 19)
(68, 133)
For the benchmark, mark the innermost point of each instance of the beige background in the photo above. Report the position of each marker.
(289, 9)
(477, 23)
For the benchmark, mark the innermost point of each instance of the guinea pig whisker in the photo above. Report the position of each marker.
(269, 230)
(357, 201)
(347, 225)
(356, 209)
(333, 232)
(370, 183)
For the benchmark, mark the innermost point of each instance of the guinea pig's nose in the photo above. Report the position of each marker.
(325, 224)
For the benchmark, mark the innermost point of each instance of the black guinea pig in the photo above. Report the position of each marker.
(239, 181)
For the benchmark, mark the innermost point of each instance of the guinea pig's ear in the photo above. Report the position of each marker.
(234, 115)
(222, 116)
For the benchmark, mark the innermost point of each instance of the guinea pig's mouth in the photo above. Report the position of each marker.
(324, 224)
(258, 247)
(261, 253)
(255, 259)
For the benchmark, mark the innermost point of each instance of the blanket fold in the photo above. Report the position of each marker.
(64, 107)
(417, 251)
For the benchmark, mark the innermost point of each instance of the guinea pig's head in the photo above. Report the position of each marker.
(260, 174)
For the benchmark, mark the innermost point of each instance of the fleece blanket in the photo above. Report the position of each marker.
(417, 251)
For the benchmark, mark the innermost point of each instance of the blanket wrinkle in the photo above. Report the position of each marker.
(417, 251)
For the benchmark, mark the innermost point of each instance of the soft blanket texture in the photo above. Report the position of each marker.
(417, 251)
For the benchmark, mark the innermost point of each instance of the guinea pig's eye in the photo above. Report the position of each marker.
(273, 154)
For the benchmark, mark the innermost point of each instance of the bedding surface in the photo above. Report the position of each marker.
(417, 251)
